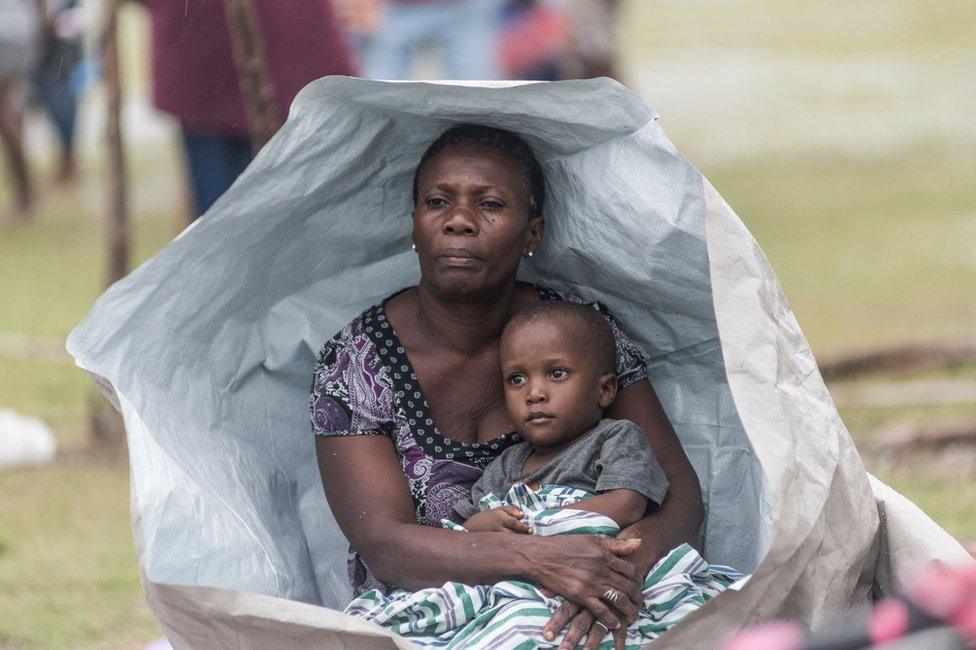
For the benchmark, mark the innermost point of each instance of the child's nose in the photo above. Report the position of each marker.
(536, 394)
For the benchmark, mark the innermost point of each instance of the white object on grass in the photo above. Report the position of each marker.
(24, 440)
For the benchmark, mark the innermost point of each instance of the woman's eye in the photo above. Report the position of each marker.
(492, 205)
(557, 373)
(435, 203)
(516, 380)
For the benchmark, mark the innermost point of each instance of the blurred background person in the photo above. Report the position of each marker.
(359, 20)
(19, 43)
(533, 39)
(462, 31)
(548, 40)
(592, 46)
(59, 77)
(194, 78)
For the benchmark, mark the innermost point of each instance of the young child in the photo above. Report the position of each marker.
(557, 363)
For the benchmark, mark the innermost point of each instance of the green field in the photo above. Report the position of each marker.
(865, 205)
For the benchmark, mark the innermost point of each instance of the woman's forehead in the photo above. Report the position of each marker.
(467, 160)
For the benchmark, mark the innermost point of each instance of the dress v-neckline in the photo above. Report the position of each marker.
(411, 400)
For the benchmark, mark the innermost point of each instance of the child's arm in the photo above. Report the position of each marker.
(628, 476)
(504, 519)
(624, 506)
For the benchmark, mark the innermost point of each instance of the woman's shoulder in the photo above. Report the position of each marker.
(359, 332)
(352, 393)
(352, 335)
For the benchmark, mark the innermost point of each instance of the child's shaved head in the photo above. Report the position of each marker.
(591, 329)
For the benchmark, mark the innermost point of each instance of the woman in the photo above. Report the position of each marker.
(429, 354)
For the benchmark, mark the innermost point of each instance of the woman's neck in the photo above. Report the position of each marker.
(464, 325)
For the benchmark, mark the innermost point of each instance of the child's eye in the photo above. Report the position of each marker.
(557, 373)
(516, 379)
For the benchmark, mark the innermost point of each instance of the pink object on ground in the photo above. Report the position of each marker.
(949, 594)
(888, 621)
(964, 620)
(940, 590)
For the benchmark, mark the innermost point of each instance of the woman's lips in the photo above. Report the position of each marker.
(458, 257)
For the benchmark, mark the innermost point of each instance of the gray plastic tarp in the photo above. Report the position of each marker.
(208, 350)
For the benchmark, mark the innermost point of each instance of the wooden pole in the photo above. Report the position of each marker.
(257, 88)
(118, 235)
(105, 422)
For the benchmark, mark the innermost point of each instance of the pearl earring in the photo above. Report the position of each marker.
(413, 246)
(529, 254)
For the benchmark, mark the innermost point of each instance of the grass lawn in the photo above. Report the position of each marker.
(870, 252)
(873, 245)
(68, 574)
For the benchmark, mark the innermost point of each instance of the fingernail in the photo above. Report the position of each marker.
(548, 635)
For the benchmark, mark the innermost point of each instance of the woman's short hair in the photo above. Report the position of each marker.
(504, 142)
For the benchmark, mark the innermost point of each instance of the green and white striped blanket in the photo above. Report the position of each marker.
(511, 614)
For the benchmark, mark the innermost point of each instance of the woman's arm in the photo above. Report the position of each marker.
(368, 494)
(369, 498)
(680, 516)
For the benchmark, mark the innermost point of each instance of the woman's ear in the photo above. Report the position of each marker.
(533, 235)
(608, 389)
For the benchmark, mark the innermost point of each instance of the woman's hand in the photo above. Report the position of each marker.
(582, 624)
(592, 572)
(579, 622)
(504, 519)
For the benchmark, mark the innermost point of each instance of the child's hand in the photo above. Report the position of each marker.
(505, 519)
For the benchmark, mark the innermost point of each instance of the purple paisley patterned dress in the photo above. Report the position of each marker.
(364, 385)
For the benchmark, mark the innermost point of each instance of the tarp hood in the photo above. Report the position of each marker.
(208, 350)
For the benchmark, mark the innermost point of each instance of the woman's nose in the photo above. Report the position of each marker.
(460, 221)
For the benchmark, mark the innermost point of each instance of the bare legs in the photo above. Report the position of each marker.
(11, 134)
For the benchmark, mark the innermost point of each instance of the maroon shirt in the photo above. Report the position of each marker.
(193, 70)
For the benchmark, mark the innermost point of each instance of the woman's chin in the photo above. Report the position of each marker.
(462, 282)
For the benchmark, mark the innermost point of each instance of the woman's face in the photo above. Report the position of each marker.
(471, 224)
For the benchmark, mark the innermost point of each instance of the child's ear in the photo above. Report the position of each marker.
(608, 389)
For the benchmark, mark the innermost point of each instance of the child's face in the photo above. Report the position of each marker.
(554, 389)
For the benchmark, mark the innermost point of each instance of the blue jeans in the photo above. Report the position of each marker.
(215, 161)
(464, 32)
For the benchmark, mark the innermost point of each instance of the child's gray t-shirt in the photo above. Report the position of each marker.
(614, 455)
